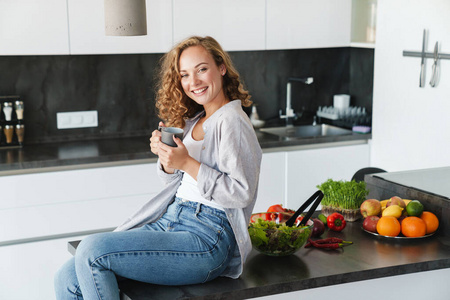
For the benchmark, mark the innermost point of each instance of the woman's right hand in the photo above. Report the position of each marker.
(155, 140)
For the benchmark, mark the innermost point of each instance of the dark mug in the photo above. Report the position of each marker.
(167, 134)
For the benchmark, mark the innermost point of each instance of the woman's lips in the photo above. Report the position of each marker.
(199, 91)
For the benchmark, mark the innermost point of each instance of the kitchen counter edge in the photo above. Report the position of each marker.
(76, 155)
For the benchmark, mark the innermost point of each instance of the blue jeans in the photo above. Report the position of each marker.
(191, 243)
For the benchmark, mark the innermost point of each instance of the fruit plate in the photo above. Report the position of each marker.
(398, 237)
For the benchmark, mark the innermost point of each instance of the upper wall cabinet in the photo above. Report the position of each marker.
(293, 24)
(87, 29)
(364, 23)
(30, 27)
(237, 25)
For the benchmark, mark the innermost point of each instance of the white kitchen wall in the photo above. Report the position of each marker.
(411, 125)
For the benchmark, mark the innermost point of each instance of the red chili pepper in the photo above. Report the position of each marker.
(329, 245)
(331, 240)
(336, 222)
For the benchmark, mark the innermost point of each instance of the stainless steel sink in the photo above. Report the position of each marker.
(305, 131)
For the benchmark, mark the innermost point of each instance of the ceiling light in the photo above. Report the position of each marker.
(125, 17)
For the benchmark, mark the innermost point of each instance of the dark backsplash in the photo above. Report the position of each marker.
(121, 87)
(361, 77)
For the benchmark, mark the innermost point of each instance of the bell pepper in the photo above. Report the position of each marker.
(336, 222)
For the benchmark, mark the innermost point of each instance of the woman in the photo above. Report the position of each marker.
(195, 229)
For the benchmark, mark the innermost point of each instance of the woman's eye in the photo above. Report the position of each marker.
(184, 75)
(202, 70)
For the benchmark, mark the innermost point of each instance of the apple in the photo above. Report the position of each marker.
(370, 207)
(396, 200)
(370, 223)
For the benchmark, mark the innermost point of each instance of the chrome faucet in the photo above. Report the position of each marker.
(290, 115)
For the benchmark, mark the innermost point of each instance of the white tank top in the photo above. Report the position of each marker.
(188, 189)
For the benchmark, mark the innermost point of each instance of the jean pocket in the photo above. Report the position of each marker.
(212, 224)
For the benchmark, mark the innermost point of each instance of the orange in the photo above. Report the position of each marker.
(413, 227)
(431, 220)
(388, 226)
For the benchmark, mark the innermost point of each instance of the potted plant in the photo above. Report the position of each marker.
(344, 197)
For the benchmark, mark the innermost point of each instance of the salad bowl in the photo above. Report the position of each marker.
(270, 235)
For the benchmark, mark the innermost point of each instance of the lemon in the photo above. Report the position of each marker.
(393, 211)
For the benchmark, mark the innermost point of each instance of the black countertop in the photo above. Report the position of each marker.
(79, 154)
(369, 257)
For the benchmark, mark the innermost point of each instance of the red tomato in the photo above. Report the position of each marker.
(276, 208)
(298, 220)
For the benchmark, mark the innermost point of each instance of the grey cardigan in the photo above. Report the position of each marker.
(229, 173)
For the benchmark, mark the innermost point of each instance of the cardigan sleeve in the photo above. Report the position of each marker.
(166, 178)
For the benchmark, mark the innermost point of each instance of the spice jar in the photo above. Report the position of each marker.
(20, 133)
(18, 105)
(7, 110)
(9, 131)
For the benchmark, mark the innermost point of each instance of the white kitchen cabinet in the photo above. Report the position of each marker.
(293, 24)
(308, 168)
(29, 27)
(364, 19)
(28, 270)
(421, 285)
(272, 181)
(235, 24)
(289, 176)
(49, 204)
(87, 33)
(41, 212)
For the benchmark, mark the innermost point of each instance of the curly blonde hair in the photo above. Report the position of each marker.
(173, 105)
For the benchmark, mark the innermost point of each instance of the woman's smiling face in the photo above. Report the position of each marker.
(201, 78)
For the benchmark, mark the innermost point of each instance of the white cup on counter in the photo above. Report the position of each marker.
(341, 102)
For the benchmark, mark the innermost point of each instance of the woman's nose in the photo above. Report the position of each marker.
(195, 80)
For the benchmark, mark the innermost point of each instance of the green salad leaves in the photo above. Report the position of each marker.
(277, 239)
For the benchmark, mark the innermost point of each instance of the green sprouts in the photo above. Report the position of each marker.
(343, 194)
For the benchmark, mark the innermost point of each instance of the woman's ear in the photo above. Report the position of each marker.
(223, 69)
